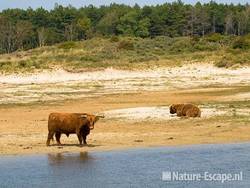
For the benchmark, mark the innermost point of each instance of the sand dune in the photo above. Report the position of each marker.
(60, 85)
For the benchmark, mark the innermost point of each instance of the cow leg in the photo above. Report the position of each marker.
(84, 139)
(179, 113)
(79, 138)
(50, 136)
(58, 136)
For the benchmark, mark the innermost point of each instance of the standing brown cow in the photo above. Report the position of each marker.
(71, 123)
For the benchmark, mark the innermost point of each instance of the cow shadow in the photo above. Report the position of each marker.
(71, 160)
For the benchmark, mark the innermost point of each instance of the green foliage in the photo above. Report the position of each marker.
(241, 43)
(214, 37)
(143, 28)
(202, 45)
(52, 36)
(128, 23)
(67, 45)
(114, 38)
(125, 52)
(5, 64)
(180, 45)
(144, 58)
(26, 29)
(234, 58)
(29, 64)
(190, 45)
(107, 25)
(126, 45)
(222, 63)
(89, 58)
(10, 66)
(83, 25)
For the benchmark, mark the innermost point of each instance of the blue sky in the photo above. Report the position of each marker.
(49, 4)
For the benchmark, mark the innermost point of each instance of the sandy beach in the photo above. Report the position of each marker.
(24, 128)
(135, 105)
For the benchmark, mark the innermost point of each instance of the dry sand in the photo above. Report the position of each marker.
(132, 120)
(135, 104)
(61, 85)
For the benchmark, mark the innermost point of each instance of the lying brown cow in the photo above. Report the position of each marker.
(71, 123)
(188, 110)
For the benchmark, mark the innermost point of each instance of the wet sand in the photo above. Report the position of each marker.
(23, 129)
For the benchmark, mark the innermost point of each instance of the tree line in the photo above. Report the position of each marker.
(25, 29)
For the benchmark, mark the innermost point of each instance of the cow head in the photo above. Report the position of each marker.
(91, 119)
(172, 109)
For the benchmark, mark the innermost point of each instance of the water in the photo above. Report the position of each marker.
(128, 168)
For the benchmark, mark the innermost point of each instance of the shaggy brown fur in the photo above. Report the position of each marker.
(70, 123)
(188, 110)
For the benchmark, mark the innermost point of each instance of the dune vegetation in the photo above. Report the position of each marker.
(130, 53)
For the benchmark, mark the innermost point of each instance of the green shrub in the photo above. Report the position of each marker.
(5, 64)
(22, 63)
(232, 60)
(107, 53)
(204, 46)
(241, 43)
(222, 63)
(195, 38)
(67, 45)
(126, 45)
(89, 58)
(181, 45)
(28, 64)
(215, 37)
(145, 58)
(114, 38)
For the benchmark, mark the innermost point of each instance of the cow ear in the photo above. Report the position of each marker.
(97, 118)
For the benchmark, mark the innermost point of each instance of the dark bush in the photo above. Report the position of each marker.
(29, 64)
(181, 45)
(215, 37)
(241, 43)
(4, 64)
(126, 45)
(222, 63)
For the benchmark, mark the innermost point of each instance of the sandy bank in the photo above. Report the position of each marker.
(61, 85)
(132, 120)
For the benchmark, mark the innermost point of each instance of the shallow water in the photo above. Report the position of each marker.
(127, 168)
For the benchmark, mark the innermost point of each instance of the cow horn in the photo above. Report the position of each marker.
(84, 116)
(100, 116)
